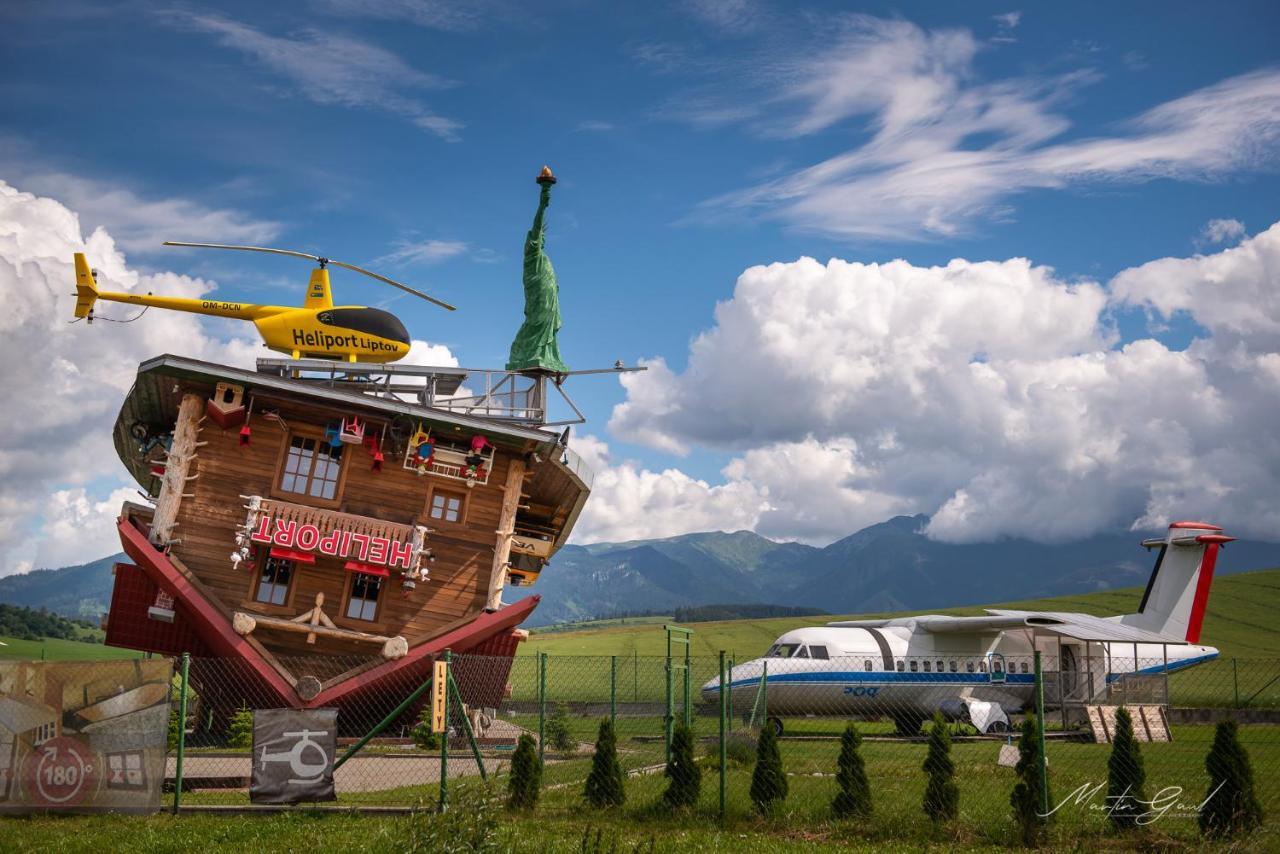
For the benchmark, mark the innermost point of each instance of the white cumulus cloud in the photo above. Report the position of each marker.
(993, 396)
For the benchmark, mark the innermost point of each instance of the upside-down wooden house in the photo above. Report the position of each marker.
(325, 530)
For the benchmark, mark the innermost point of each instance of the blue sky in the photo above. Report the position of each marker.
(406, 135)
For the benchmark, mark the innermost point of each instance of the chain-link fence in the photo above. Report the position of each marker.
(771, 745)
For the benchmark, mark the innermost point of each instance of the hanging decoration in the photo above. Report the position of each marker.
(476, 459)
(352, 432)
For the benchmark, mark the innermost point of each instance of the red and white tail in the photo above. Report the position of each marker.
(1178, 590)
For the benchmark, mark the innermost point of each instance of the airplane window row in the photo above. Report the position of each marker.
(917, 665)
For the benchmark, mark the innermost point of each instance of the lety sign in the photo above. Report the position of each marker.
(340, 543)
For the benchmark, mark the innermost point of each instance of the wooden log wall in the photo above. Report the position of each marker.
(458, 586)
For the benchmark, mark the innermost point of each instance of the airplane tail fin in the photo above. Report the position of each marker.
(86, 287)
(1178, 590)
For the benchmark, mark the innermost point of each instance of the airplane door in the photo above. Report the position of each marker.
(1070, 672)
(996, 667)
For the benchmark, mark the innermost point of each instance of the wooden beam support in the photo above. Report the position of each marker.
(181, 452)
(506, 529)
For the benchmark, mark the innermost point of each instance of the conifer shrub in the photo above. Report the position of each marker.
(941, 794)
(604, 784)
(175, 728)
(1027, 799)
(240, 729)
(768, 780)
(682, 771)
(525, 783)
(1231, 805)
(557, 729)
(854, 798)
(1126, 775)
(421, 733)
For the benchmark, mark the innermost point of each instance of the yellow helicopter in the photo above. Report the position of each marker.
(317, 329)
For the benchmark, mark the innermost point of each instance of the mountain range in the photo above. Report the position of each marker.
(889, 566)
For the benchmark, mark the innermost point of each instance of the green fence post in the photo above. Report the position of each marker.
(182, 733)
(613, 690)
(1235, 683)
(542, 705)
(764, 691)
(723, 752)
(1044, 759)
(466, 725)
(688, 685)
(669, 717)
(394, 715)
(635, 675)
(731, 664)
(444, 738)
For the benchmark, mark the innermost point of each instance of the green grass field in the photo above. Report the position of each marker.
(1240, 622)
(56, 649)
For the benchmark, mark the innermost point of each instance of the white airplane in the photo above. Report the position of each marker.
(980, 669)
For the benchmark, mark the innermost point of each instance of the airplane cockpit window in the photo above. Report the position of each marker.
(866, 665)
(913, 665)
(782, 650)
(902, 665)
(818, 652)
(802, 652)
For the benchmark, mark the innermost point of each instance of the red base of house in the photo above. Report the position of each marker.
(233, 668)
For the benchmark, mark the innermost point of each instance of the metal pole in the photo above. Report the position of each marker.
(1235, 682)
(1165, 648)
(542, 706)
(373, 733)
(444, 739)
(1044, 759)
(724, 705)
(466, 726)
(764, 690)
(1062, 699)
(613, 690)
(688, 684)
(731, 664)
(635, 675)
(671, 700)
(182, 733)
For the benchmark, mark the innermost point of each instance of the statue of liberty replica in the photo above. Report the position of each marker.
(535, 348)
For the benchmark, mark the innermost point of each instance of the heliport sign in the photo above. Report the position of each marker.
(325, 340)
(339, 542)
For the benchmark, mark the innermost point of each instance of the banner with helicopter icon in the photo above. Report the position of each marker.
(293, 755)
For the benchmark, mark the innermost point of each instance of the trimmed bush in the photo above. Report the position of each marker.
(1027, 798)
(525, 783)
(682, 770)
(1231, 805)
(941, 794)
(768, 780)
(854, 798)
(1126, 776)
(240, 729)
(557, 728)
(604, 784)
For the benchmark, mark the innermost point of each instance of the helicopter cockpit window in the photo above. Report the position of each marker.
(372, 321)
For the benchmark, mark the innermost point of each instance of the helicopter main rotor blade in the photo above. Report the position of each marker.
(245, 248)
(393, 283)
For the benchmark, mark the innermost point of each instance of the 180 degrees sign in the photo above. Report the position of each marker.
(59, 773)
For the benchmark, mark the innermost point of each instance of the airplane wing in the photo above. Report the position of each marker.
(1080, 626)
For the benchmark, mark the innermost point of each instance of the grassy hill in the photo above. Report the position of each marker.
(56, 649)
(1241, 621)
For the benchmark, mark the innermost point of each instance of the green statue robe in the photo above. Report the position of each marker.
(535, 347)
